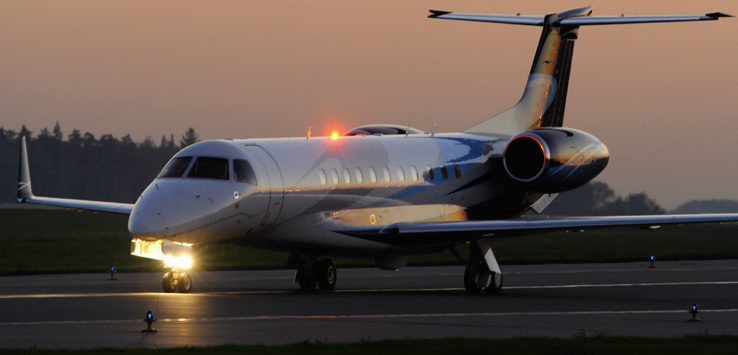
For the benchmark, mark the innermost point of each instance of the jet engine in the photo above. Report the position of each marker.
(554, 159)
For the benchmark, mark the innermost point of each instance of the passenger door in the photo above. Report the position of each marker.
(273, 186)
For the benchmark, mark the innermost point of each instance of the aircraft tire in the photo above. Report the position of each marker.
(327, 274)
(306, 273)
(168, 283)
(479, 280)
(184, 283)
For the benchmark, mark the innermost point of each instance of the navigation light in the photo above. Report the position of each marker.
(334, 135)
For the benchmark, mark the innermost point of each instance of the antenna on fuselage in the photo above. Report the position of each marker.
(433, 132)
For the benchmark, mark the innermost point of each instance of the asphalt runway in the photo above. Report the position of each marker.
(560, 300)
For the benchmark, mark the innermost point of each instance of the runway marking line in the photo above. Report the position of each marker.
(387, 290)
(363, 316)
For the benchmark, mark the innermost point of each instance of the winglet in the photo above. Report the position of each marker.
(24, 175)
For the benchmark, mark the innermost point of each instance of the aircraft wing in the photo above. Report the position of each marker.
(26, 195)
(439, 232)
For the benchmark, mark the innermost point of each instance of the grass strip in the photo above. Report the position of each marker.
(59, 241)
(705, 344)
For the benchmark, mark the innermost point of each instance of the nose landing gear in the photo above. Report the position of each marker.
(176, 281)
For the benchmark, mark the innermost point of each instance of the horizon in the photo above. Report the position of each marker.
(658, 95)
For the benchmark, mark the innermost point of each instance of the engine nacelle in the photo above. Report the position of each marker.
(554, 159)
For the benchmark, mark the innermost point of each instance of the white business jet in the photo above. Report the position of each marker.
(383, 191)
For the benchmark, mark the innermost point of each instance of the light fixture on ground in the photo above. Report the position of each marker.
(112, 270)
(149, 319)
(693, 312)
(651, 259)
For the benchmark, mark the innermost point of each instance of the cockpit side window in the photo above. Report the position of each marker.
(175, 168)
(210, 168)
(243, 172)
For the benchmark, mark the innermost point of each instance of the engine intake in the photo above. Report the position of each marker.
(554, 159)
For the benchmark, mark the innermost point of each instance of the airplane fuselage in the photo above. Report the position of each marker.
(302, 190)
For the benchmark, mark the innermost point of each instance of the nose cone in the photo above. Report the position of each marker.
(170, 207)
(164, 208)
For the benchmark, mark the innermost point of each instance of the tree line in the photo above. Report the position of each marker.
(84, 166)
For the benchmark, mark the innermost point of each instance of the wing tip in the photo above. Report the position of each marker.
(438, 13)
(717, 15)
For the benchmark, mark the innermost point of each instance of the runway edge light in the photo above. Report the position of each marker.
(693, 311)
(112, 270)
(149, 319)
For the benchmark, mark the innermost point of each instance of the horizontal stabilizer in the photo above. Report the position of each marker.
(539, 20)
(510, 19)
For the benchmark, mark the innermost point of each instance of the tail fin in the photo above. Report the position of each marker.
(544, 97)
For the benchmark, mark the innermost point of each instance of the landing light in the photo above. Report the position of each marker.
(179, 262)
(334, 135)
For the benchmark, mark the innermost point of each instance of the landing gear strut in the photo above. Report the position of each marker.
(482, 274)
(311, 272)
(178, 281)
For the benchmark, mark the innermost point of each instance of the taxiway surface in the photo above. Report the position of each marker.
(561, 300)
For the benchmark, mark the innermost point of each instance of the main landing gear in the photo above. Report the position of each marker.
(311, 272)
(176, 281)
(482, 274)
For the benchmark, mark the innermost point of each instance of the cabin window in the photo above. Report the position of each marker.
(346, 176)
(359, 176)
(176, 167)
(210, 168)
(323, 178)
(243, 172)
(413, 173)
(334, 176)
(444, 172)
(372, 175)
(400, 174)
(387, 176)
(457, 171)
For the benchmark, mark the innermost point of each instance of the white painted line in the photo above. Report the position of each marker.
(381, 290)
(367, 316)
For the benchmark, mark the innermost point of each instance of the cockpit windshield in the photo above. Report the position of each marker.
(175, 168)
(210, 168)
(243, 172)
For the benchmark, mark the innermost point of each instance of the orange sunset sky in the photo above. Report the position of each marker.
(661, 96)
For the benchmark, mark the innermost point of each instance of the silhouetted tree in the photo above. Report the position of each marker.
(57, 132)
(190, 137)
(24, 132)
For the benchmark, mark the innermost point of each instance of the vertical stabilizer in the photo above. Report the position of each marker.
(544, 97)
